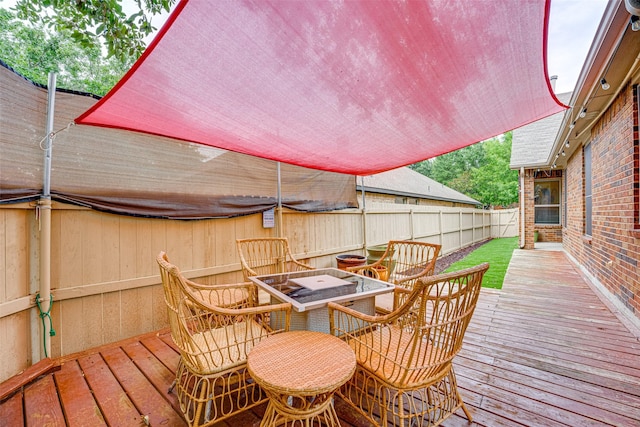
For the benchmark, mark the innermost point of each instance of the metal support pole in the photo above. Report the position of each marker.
(44, 207)
(279, 208)
(364, 215)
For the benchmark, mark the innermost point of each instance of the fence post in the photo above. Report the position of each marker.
(441, 227)
(460, 230)
(411, 225)
(473, 227)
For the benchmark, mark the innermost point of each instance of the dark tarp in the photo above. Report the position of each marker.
(137, 174)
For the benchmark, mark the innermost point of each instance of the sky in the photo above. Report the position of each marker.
(572, 26)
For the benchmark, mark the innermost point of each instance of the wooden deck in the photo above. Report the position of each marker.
(543, 351)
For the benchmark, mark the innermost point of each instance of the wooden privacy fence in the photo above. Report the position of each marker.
(504, 223)
(453, 228)
(106, 285)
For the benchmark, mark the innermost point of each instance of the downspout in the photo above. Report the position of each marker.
(522, 205)
(44, 208)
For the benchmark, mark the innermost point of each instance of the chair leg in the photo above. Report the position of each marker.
(207, 409)
(203, 393)
(454, 386)
(466, 411)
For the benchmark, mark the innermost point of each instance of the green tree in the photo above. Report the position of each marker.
(495, 183)
(93, 23)
(33, 52)
(449, 166)
(424, 167)
(480, 171)
(464, 184)
(453, 169)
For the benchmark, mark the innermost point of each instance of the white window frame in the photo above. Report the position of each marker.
(538, 203)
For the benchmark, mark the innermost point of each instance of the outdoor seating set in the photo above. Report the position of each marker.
(394, 366)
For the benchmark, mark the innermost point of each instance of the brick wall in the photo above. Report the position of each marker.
(612, 253)
(575, 208)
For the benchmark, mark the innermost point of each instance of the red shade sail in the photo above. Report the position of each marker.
(355, 87)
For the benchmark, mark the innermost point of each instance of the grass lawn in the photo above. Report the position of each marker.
(497, 253)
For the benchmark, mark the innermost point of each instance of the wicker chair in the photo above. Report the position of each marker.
(228, 296)
(403, 263)
(404, 374)
(267, 255)
(212, 381)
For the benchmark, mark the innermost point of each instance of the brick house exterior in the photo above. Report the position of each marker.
(589, 156)
(611, 253)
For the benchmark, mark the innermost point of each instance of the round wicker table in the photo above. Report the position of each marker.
(300, 371)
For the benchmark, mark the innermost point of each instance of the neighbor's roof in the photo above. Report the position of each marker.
(409, 183)
(531, 144)
(355, 87)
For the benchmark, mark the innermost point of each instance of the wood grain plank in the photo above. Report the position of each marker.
(153, 369)
(587, 346)
(522, 409)
(165, 353)
(554, 395)
(41, 404)
(605, 374)
(77, 400)
(532, 320)
(169, 341)
(622, 362)
(589, 393)
(143, 394)
(43, 367)
(115, 405)
(545, 330)
(11, 412)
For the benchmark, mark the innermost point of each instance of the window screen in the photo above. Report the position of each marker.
(547, 201)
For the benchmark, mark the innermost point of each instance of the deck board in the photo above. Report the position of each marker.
(115, 405)
(543, 351)
(41, 404)
(147, 399)
(169, 356)
(11, 411)
(154, 371)
(78, 404)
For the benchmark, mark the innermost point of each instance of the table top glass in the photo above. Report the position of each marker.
(310, 289)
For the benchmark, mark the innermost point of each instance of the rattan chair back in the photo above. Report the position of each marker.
(267, 255)
(169, 274)
(173, 284)
(403, 262)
